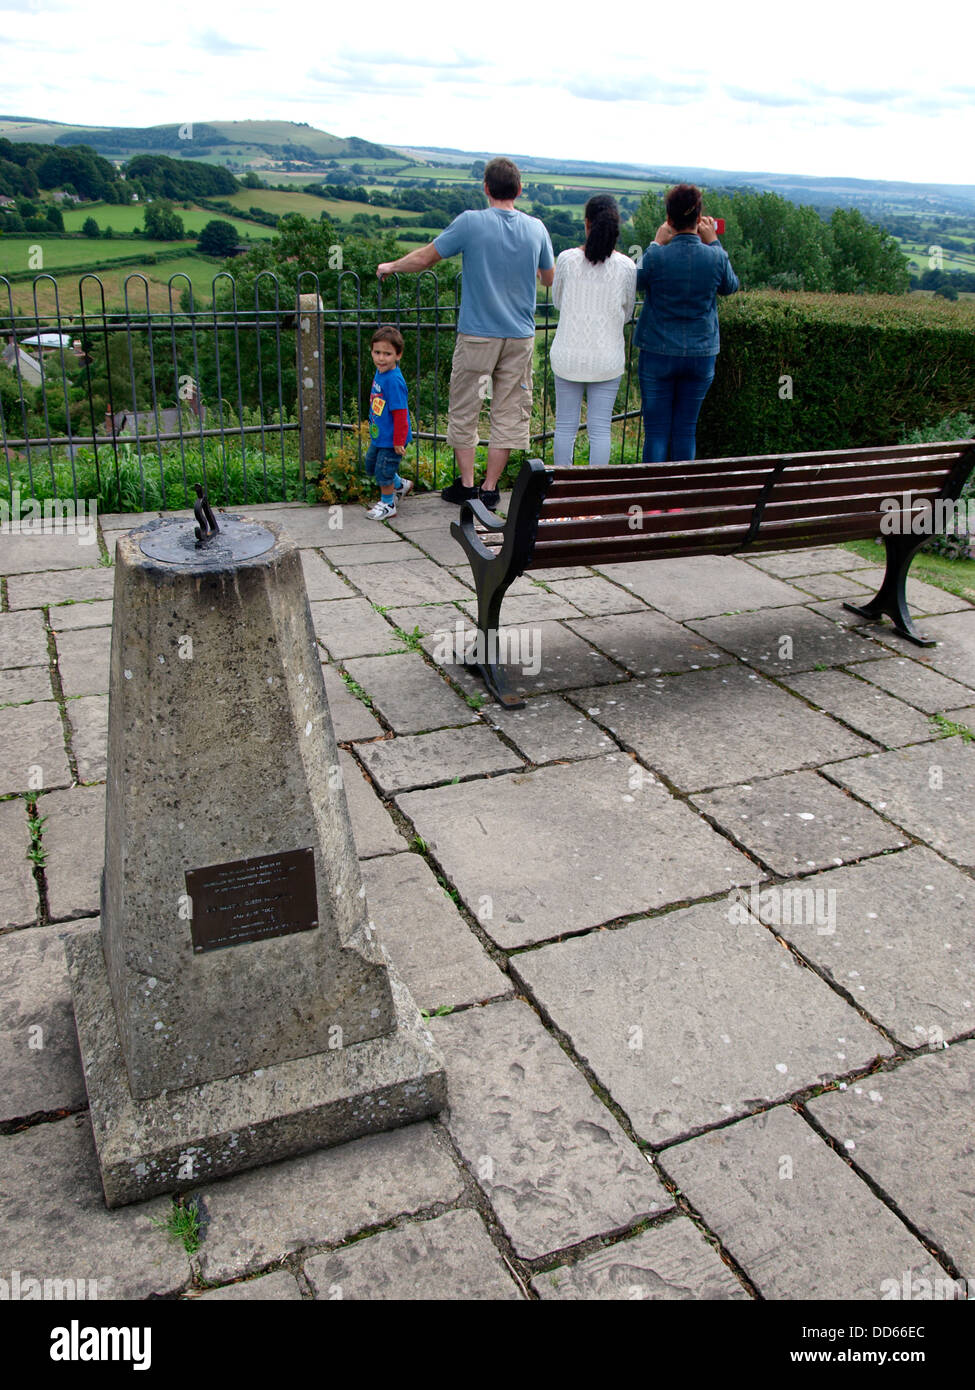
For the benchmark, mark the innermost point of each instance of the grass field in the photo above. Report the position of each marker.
(15, 254)
(919, 254)
(131, 217)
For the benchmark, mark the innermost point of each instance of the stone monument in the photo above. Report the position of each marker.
(236, 1005)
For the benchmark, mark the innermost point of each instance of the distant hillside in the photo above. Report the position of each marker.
(247, 144)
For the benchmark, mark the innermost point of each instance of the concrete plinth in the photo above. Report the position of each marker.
(237, 1005)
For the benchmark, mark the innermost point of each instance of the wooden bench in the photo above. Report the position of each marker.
(743, 506)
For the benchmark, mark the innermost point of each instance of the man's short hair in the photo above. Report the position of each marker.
(503, 178)
(386, 333)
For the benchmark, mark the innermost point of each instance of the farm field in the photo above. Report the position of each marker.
(130, 217)
(919, 254)
(199, 270)
(57, 253)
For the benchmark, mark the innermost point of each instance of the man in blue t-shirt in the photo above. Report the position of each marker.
(503, 250)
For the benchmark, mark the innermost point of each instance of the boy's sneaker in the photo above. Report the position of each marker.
(405, 490)
(381, 511)
(458, 493)
(490, 496)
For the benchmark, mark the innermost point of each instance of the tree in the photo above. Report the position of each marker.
(251, 180)
(162, 223)
(218, 239)
(90, 227)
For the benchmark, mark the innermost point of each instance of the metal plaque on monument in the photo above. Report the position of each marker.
(236, 1006)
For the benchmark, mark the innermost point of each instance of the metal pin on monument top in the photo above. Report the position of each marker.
(207, 527)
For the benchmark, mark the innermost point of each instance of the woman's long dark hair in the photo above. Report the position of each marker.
(603, 217)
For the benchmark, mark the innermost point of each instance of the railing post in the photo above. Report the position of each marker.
(310, 349)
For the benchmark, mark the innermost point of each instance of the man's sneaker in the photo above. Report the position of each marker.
(382, 511)
(405, 490)
(490, 496)
(458, 493)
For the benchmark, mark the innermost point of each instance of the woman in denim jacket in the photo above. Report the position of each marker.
(681, 275)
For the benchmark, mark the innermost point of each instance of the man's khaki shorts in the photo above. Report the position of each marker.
(498, 370)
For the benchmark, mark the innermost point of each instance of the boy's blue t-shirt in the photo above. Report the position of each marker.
(389, 392)
(502, 249)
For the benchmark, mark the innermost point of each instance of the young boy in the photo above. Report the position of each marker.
(389, 422)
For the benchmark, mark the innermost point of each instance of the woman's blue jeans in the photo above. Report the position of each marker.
(672, 390)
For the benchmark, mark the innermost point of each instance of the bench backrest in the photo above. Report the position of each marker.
(723, 506)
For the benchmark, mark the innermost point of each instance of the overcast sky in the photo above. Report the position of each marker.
(844, 87)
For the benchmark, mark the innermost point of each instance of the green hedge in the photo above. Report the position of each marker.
(864, 369)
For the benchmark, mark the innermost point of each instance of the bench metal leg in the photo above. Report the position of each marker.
(490, 670)
(890, 599)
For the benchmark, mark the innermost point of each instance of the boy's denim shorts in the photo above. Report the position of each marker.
(382, 464)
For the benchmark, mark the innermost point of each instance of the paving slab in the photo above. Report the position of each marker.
(899, 940)
(257, 1218)
(446, 1259)
(914, 682)
(30, 554)
(54, 1223)
(279, 1287)
(910, 1130)
(743, 727)
(928, 789)
(549, 729)
(668, 1262)
(955, 654)
(83, 660)
(40, 1069)
(562, 658)
(595, 596)
(797, 1219)
(88, 717)
(404, 582)
(386, 549)
(67, 617)
(438, 543)
(321, 581)
(695, 1016)
(537, 607)
(126, 521)
(325, 527)
(428, 617)
(821, 559)
(427, 512)
(19, 904)
(74, 840)
(648, 643)
(700, 585)
(39, 590)
(352, 627)
(430, 944)
(553, 1162)
(422, 760)
(372, 826)
(963, 716)
(32, 755)
(823, 586)
(564, 848)
(870, 711)
(351, 717)
(928, 598)
(23, 639)
(25, 686)
(786, 640)
(410, 695)
(799, 822)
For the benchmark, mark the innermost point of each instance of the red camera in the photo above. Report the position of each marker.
(719, 225)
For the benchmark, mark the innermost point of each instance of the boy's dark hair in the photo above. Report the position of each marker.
(603, 216)
(503, 178)
(386, 333)
(683, 204)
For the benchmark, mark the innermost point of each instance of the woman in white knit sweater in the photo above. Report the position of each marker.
(594, 291)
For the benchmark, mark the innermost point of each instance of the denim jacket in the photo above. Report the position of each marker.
(681, 282)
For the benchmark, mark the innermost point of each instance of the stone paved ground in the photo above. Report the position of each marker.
(695, 929)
